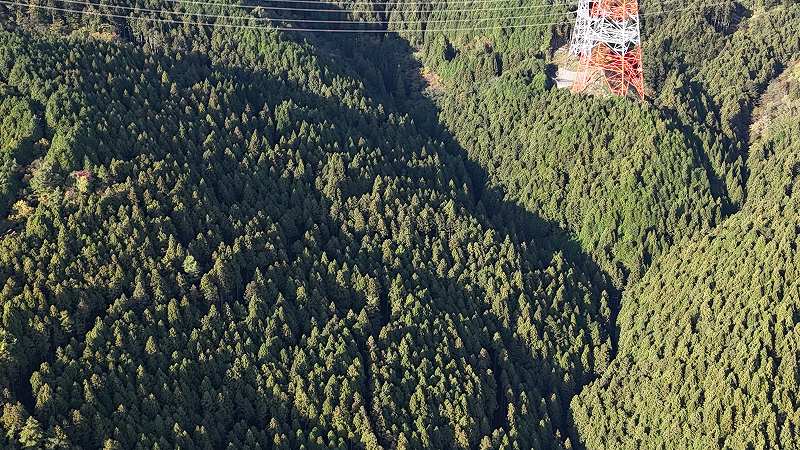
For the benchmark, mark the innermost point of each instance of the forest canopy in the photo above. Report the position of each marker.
(221, 237)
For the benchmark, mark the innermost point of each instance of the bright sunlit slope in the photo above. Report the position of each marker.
(709, 338)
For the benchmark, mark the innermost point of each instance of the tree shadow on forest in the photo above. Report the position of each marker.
(487, 199)
(389, 53)
(477, 324)
(486, 204)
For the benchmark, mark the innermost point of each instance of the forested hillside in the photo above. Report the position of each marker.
(710, 334)
(208, 250)
(244, 236)
(627, 179)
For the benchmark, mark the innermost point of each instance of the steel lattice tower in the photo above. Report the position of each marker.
(606, 38)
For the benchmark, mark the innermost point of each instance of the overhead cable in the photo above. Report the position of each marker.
(323, 30)
(291, 20)
(332, 5)
(402, 3)
(262, 27)
(343, 11)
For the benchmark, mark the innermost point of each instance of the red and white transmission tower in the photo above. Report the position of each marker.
(607, 40)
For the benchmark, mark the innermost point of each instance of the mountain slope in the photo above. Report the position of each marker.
(213, 237)
(622, 177)
(709, 338)
(243, 248)
(627, 180)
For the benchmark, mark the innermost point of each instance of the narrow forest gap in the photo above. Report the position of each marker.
(615, 296)
(500, 415)
(370, 407)
(23, 390)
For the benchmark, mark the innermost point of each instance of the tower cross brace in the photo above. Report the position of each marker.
(607, 41)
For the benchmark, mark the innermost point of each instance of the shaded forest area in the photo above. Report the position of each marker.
(243, 248)
(225, 238)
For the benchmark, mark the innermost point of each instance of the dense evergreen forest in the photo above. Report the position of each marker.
(229, 237)
(711, 332)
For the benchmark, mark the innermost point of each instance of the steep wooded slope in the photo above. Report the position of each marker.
(709, 338)
(627, 180)
(222, 238)
(211, 251)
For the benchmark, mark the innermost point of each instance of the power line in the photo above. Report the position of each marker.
(345, 11)
(324, 30)
(261, 27)
(432, 3)
(394, 3)
(273, 19)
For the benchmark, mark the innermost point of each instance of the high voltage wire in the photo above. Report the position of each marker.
(321, 30)
(328, 21)
(266, 28)
(254, 7)
(394, 3)
(431, 3)
(274, 19)
(345, 11)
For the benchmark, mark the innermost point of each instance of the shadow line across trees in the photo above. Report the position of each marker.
(312, 224)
